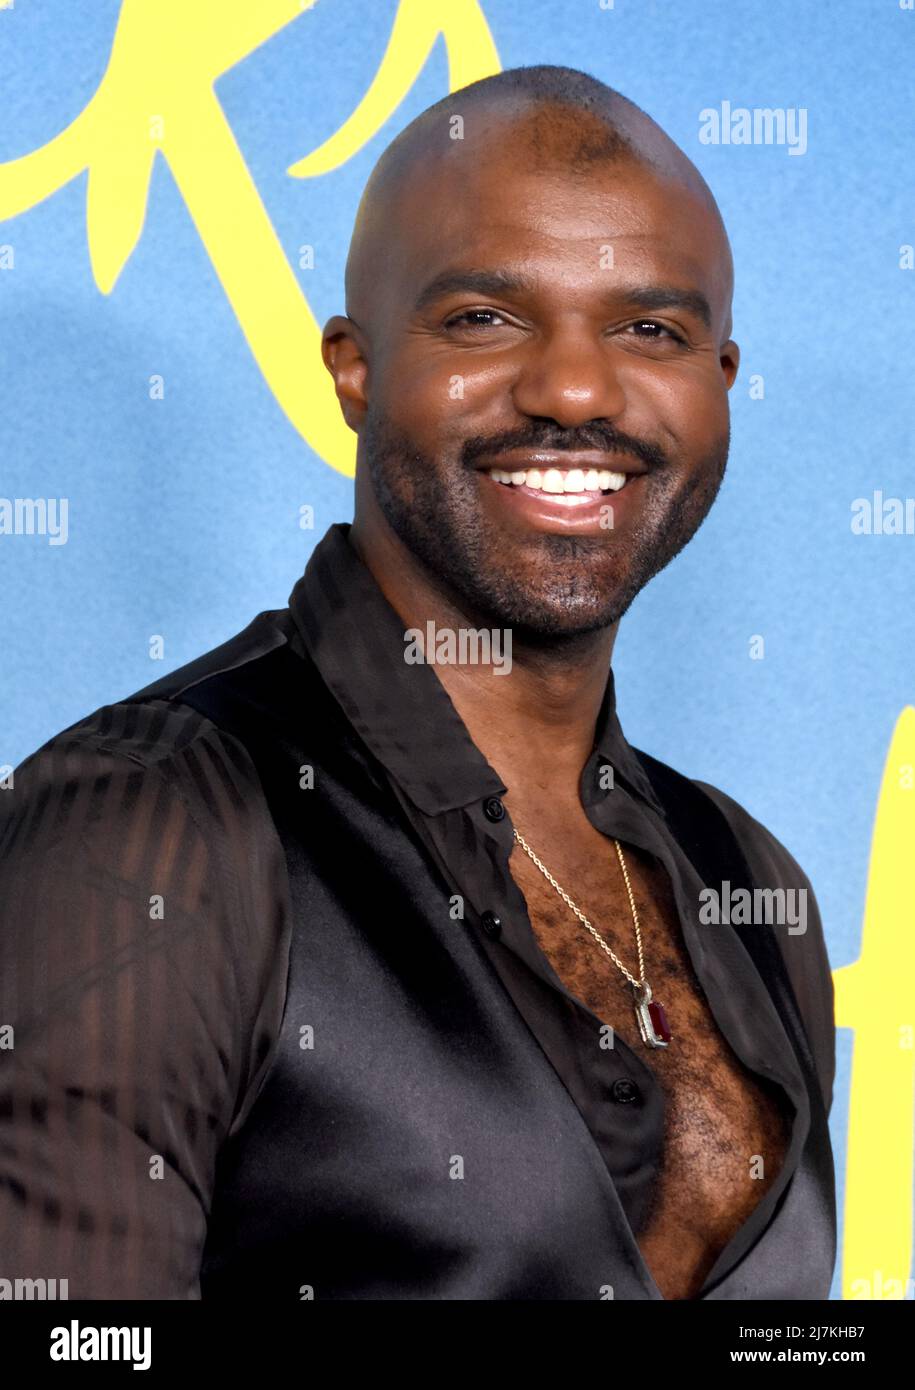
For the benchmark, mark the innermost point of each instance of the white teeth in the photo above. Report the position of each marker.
(561, 480)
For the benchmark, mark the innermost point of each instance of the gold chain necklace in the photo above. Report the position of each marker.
(649, 1014)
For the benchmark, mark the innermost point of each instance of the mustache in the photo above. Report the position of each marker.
(604, 437)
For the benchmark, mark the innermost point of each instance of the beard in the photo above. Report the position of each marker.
(546, 587)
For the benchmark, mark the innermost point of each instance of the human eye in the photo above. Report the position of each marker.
(471, 319)
(655, 331)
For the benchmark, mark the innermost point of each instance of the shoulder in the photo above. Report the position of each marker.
(128, 763)
(148, 749)
(803, 943)
(772, 862)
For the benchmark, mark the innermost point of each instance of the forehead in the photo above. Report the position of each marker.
(558, 224)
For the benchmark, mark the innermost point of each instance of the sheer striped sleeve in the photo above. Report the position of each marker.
(142, 981)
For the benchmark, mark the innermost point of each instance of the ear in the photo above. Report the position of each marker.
(729, 356)
(343, 349)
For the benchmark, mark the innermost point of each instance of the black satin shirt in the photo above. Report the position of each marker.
(147, 929)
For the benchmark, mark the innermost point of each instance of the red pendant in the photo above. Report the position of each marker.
(659, 1020)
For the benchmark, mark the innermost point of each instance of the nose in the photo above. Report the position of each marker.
(569, 377)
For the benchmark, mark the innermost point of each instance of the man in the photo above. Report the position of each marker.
(338, 973)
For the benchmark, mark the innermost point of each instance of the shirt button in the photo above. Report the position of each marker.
(624, 1091)
(491, 924)
(493, 808)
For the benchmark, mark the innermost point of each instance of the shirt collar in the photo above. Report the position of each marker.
(402, 712)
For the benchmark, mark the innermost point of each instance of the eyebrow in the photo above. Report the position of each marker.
(504, 282)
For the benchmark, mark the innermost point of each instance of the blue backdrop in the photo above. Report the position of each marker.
(184, 511)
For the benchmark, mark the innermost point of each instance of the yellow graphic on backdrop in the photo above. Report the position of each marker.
(876, 997)
(157, 96)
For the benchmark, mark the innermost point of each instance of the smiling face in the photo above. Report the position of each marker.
(530, 320)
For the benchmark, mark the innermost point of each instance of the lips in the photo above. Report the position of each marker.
(585, 512)
(565, 476)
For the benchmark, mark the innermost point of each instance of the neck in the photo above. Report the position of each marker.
(534, 724)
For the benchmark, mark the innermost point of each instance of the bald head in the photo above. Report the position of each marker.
(545, 118)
